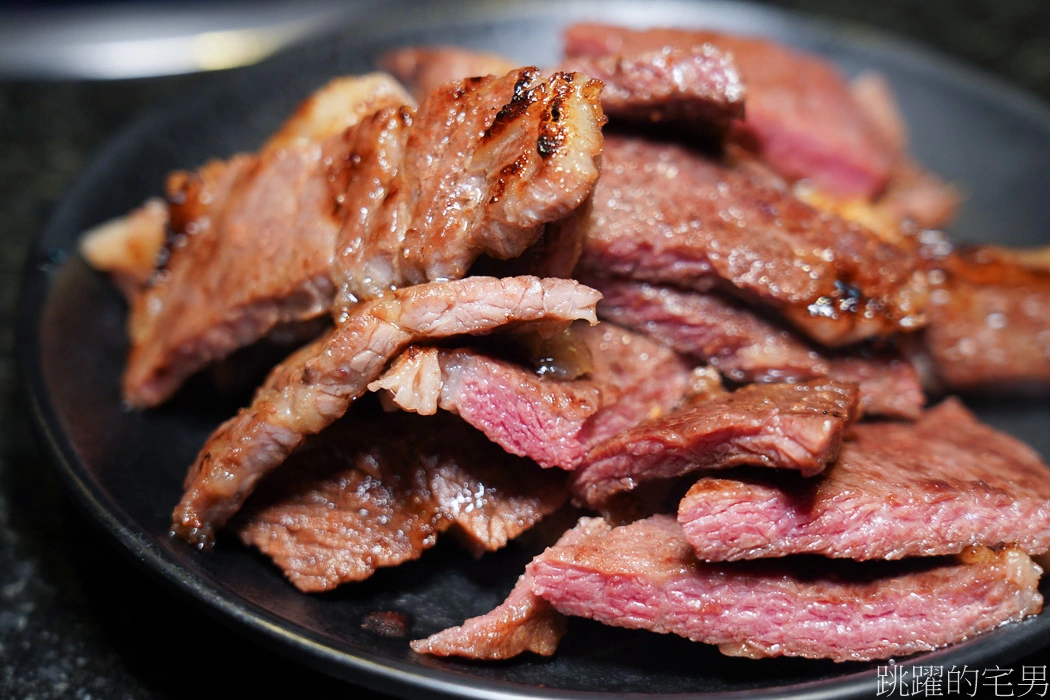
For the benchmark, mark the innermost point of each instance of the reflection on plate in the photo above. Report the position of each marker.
(126, 468)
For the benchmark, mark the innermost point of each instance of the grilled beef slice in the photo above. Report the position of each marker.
(990, 322)
(645, 576)
(478, 169)
(697, 84)
(938, 486)
(748, 348)
(127, 247)
(801, 116)
(318, 383)
(785, 426)
(552, 421)
(523, 412)
(666, 214)
(377, 490)
(912, 194)
(249, 248)
(523, 622)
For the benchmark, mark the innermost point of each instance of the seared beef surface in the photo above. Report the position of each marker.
(664, 213)
(645, 576)
(249, 248)
(746, 347)
(695, 85)
(376, 490)
(698, 85)
(990, 323)
(552, 421)
(523, 622)
(785, 426)
(937, 486)
(318, 383)
(479, 169)
(801, 116)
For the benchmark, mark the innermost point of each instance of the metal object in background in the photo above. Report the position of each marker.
(135, 40)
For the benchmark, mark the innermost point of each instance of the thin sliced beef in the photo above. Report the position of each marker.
(698, 85)
(663, 213)
(784, 426)
(478, 169)
(645, 576)
(1034, 259)
(889, 384)
(377, 490)
(250, 248)
(990, 323)
(524, 622)
(318, 383)
(801, 116)
(914, 198)
(912, 194)
(550, 420)
(748, 348)
(339, 104)
(521, 411)
(127, 247)
(424, 69)
(639, 377)
(934, 487)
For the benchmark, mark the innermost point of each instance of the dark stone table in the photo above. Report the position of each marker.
(76, 619)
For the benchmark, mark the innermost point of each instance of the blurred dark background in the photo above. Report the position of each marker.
(76, 619)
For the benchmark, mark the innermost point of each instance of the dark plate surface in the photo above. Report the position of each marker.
(126, 468)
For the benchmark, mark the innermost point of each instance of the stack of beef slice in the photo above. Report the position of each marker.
(748, 419)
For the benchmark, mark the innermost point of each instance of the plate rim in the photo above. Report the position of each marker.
(254, 620)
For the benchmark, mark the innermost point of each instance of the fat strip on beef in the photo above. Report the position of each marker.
(748, 348)
(663, 213)
(318, 383)
(938, 486)
(645, 576)
(784, 426)
(377, 490)
(552, 421)
(249, 246)
(801, 116)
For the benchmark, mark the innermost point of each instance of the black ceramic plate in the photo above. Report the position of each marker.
(126, 467)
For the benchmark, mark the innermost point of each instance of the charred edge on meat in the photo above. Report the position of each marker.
(342, 172)
(183, 187)
(847, 299)
(507, 173)
(552, 133)
(523, 97)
